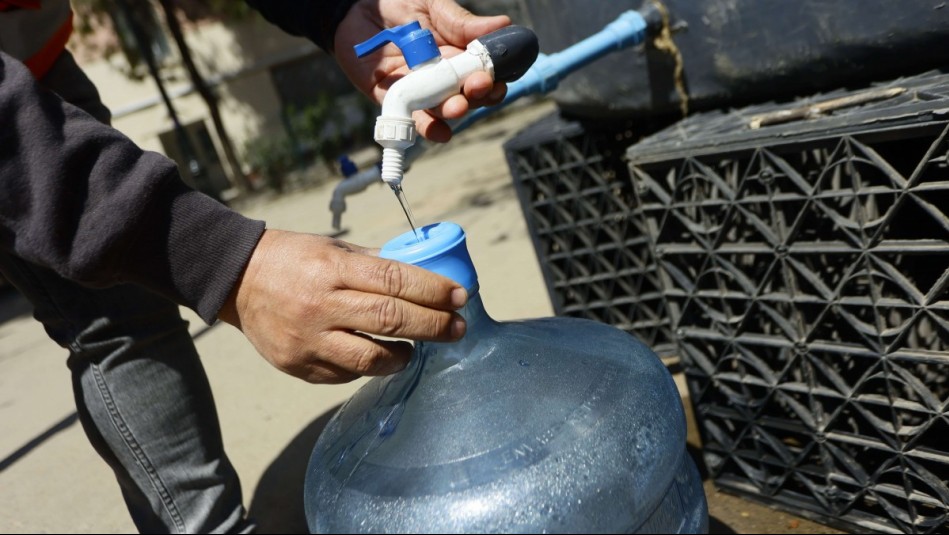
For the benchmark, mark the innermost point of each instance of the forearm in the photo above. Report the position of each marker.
(314, 19)
(78, 197)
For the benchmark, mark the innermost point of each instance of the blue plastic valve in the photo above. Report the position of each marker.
(417, 44)
(347, 166)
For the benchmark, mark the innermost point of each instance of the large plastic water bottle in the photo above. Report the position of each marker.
(549, 425)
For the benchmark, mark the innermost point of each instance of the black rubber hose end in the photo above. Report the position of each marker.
(653, 17)
(513, 50)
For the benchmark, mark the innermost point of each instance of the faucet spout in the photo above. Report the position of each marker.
(357, 181)
(504, 54)
(427, 86)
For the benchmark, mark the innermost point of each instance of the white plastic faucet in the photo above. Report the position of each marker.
(504, 54)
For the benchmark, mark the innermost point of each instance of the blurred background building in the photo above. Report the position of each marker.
(283, 104)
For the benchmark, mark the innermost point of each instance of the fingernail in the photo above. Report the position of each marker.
(459, 297)
(458, 328)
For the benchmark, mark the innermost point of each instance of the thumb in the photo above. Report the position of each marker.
(459, 26)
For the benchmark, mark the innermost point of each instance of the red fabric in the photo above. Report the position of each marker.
(21, 4)
(40, 62)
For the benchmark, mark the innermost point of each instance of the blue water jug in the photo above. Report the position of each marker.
(541, 426)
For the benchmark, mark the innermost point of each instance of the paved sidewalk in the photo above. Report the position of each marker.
(52, 481)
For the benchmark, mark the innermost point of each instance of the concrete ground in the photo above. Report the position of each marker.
(52, 481)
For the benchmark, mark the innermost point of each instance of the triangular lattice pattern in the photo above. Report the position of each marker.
(575, 192)
(808, 289)
(802, 273)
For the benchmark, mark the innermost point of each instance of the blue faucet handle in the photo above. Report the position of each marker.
(346, 166)
(417, 44)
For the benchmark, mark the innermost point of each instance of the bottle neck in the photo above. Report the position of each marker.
(474, 312)
(436, 356)
(476, 318)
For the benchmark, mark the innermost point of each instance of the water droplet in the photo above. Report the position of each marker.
(404, 203)
(386, 428)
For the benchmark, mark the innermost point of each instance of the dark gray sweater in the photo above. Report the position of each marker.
(82, 199)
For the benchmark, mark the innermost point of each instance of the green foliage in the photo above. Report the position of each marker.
(317, 128)
(272, 158)
(317, 133)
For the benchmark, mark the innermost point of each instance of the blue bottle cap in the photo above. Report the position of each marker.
(442, 250)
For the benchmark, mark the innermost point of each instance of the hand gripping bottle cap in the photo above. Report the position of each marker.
(442, 249)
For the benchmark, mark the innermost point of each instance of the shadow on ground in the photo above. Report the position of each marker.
(277, 505)
(714, 525)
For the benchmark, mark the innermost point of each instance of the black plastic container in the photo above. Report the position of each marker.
(574, 189)
(737, 52)
(804, 267)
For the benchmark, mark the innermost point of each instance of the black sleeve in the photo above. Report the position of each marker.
(82, 199)
(314, 19)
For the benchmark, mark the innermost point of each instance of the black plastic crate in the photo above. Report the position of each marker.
(574, 189)
(805, 270)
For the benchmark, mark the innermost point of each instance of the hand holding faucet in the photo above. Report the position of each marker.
(436, 86)
(453, 28)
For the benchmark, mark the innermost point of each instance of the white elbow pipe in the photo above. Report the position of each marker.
(504, 54)
(432, 83)
(427, 86)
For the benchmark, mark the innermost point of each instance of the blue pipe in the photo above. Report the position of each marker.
(629, 29)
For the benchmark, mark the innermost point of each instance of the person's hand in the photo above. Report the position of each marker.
(309, 303)
(453, 28)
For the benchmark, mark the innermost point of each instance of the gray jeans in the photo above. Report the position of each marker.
(141, 392)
